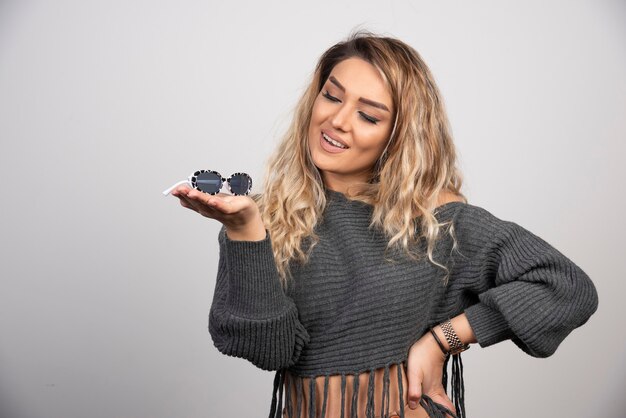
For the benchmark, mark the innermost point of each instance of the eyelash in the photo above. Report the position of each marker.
(363, 115)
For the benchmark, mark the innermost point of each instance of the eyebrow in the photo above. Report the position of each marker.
(336, 82)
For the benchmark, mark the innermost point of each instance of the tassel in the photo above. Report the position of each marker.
(325, 396)
(312, 397)
(384, 409)
(425, 402)
(273, 407)
(281, 384)
(434, 409)
(299, 394)
(343, 394)
(355, 395)
(288, 397)
(444, 377)
(400, 390)
(458, 386)
(457, 389)
(369, 410)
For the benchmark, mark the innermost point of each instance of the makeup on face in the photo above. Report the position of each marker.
(350, 122)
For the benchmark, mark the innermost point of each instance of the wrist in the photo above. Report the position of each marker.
(454, 343)
(463, 329)
(253, 230)
(453, 335)
(440, 338)
(435, 337)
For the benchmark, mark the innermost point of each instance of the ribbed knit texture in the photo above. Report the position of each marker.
(350, 311)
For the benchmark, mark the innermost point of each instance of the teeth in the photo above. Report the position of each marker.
(332, 141)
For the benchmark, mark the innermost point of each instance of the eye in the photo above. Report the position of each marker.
(329, 97)
(369, 118)
(363, 115)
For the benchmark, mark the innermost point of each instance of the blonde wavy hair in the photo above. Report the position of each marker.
(418, 163)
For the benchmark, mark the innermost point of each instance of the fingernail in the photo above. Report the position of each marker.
(412, 404)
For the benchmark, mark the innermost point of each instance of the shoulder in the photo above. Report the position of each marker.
(446, 196)
(443, 199)
(477, 225)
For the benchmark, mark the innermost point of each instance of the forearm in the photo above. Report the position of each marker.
(524, 289)
(251, 317)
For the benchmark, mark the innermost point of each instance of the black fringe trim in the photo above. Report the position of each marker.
(434, 409)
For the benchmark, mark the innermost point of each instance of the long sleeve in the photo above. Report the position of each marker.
(250, 316)
(526, 290)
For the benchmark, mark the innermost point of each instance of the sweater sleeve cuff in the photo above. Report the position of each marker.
(254, 289)
(488, 324)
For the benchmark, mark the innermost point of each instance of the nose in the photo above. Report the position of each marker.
(340, 120)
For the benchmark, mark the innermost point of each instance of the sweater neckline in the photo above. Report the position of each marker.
(342, 196)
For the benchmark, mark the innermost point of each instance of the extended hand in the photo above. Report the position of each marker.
(239, 214)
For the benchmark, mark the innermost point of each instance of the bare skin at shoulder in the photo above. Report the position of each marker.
(446, 196)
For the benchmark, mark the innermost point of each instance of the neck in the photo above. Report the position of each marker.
(342, 185)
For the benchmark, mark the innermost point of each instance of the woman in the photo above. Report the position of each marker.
(361, 268)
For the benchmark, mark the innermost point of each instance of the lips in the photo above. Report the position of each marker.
(328, 147)
(335, 138)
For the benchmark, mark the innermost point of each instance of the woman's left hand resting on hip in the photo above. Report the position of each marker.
(425, 371)
(425, 363)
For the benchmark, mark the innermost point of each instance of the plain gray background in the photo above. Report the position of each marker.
(106, 284)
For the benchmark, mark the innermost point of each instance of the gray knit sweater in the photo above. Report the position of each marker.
(349, 310)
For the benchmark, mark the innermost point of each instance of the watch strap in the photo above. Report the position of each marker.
(455, 344)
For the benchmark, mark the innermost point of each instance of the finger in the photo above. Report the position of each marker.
(198, 194)
(185, 203)
(199, 197)
(181, 189)
(441, 398)
(221, 202)
(200, 204)
(414, 393)
(222, 205)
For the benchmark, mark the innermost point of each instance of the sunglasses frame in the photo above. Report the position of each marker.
(192, 182)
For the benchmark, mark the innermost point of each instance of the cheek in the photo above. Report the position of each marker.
(314, 123)
(318, 112)
(373, 141)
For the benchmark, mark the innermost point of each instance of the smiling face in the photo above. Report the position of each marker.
(355, 109)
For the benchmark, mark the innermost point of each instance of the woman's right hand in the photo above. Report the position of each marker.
(240, 215)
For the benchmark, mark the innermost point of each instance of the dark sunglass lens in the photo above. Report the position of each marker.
(209, 182)
(240, 184)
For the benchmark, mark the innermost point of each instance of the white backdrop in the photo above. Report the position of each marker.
(105, 285)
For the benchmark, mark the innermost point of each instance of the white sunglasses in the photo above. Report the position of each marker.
(211, 182)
